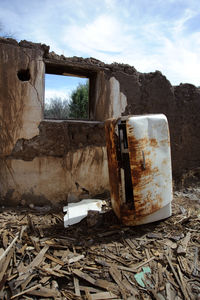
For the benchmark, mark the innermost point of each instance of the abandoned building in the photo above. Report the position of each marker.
(44, 161)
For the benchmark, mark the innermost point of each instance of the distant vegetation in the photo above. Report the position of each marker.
(75, 108)
(57, 108)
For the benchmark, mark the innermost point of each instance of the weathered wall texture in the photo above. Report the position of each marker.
(45, 161)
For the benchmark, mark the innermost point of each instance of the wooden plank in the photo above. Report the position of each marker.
(22, 249)
(106, 264)
(90, 289)
(50, 272)
(75, 258)
(55, 259)
(116, 275)
(177, 279)
(132, 249)
(87, 295)
(24, 228)
(26, 282)
(107, 285)
(103, 295)
(182, 281)
(35, 243)
(115, 257)
(37, 260)
(26, 291)
(168, 291)
(9, 247)
(27, 270)
(5, 264)
(160, 273)
(194, 270)
(76, 286)
(84, 276)
(44, 292)
(145, 262)
(133, 270)
(130, 285)
(5, 239)
(45, 279)
(99, 282)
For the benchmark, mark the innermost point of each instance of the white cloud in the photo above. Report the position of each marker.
(149, 37)
(100, 35)
(150, 46)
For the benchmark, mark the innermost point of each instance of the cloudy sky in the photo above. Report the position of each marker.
(148, 34)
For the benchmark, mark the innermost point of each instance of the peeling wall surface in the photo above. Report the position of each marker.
(46, 161)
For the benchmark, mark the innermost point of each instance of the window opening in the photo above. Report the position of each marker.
(66, 97)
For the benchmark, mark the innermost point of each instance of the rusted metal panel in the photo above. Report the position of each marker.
(150, 182)
(113, 165)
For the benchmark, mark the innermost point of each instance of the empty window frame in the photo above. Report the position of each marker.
(66, 97)
(68, 91)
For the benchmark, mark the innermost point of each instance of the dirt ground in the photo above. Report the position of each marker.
(40, 259)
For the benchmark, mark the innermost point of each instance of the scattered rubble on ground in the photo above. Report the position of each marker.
(40, 259)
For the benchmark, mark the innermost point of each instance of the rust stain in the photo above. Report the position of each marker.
(165, 142)
(130, 217)
(164, 162)
(141, 177)
(143, 173)
(153, 143)
(113, 165)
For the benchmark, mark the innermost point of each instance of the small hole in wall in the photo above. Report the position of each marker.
(24, 75)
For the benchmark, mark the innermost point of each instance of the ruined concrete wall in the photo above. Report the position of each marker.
(40, 161)
(21, 103)
(47, 161)
(21, 92)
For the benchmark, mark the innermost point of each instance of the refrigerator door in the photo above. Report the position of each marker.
(141, 189)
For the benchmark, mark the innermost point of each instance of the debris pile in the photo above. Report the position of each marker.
(40, 259)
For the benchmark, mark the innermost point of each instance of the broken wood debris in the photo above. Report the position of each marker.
(39, 258)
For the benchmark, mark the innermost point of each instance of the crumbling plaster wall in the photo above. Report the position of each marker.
(45, 161)
(21, 101)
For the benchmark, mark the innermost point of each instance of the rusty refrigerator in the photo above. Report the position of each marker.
(139, 163)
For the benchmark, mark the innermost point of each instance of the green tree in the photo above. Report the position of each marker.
(56, 108)
(78, 105)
